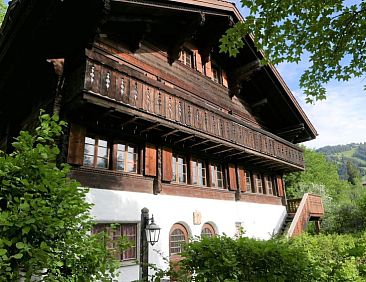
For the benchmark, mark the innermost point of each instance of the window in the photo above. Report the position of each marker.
(114, 233)
(178, 236)
(186, 57)
(207, 230)
(269, 185)
(199, 173)
(248, 182)
(216, 176)
(179, 169)
(216, 72)
(127, 158)
(258, 183)
(96, 152)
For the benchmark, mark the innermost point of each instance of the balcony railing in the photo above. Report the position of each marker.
(141, 95)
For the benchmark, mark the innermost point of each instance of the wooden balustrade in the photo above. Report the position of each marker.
(305, 209)
(134, 93)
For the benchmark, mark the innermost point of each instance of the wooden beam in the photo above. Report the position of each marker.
(129, 121)
(150, 127)
(183, 139)
(169, 133)
(212, 147)
(234, 154)
(223, 151)
(261, 102)
(199, 143)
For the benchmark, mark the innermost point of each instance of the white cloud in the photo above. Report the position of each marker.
(341, 118)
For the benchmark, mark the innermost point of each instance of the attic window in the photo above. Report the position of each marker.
(216, 73)
(186, 57)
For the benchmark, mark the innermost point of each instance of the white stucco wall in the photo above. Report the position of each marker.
(258, 220)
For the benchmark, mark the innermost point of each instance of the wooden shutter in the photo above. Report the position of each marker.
(280, 186)
(233, 183)
(75, 153)
(243, 179)
(150, 160)
(167, 155)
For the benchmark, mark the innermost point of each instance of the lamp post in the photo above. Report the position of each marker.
(150, 233)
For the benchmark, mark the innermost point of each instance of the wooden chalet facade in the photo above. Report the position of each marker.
(158, 117)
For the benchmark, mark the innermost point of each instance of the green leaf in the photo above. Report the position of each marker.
(18, 256)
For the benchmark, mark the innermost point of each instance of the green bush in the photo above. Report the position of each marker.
(303, 258)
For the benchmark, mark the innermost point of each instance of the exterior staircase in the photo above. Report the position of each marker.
(300, 212)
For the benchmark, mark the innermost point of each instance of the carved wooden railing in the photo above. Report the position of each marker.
(129, 91)
(310, 206)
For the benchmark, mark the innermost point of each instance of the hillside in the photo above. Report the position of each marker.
(340, 154)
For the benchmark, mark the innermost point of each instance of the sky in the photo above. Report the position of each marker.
(341, 118)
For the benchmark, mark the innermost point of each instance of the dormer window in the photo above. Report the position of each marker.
(186, 57)
(216, 73)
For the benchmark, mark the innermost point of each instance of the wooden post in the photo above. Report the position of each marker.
(317, 226)
(144, 252)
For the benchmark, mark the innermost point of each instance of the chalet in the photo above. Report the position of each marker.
(158, 117)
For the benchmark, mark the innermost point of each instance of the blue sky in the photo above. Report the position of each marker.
(341, 118)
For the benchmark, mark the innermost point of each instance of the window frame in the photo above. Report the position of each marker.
(214, 170)
(176, 166)
(95, 155)
(215, 68)
(125, 156)
(269, 185)
(208, 226)
(248, 183)
(260, 189)
(200, 174)
(184, 54)
(183, 229)
(121, 256)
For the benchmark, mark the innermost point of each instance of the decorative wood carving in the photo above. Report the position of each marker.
(142, 96)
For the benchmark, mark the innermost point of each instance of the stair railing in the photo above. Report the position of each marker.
(309, 206)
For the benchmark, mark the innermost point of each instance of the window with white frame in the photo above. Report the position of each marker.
(186, 57)
(199, 173)
(127, 158)
(216, 176)
(179, 167)
(177, 237)
(258, 183)
(248, 182)
(269, 185)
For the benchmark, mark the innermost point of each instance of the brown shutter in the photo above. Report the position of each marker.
(243, 179)
(280, 186)
(150, 160)
(167, 155)
(75, 153)
(232, 178)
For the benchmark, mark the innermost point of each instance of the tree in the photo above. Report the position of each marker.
(331, 33)
(44, 218)
(353, 173)
(318, 173)
(2, 10)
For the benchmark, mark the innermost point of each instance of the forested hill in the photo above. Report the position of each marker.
(354, 154)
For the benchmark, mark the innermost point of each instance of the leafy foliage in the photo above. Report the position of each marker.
(44, 218)
(303, 258)
(318, 171)
(2, 11)
(330, 33)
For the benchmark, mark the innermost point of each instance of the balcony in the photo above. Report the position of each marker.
(196, 124)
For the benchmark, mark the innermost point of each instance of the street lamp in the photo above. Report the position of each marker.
(152, 231)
